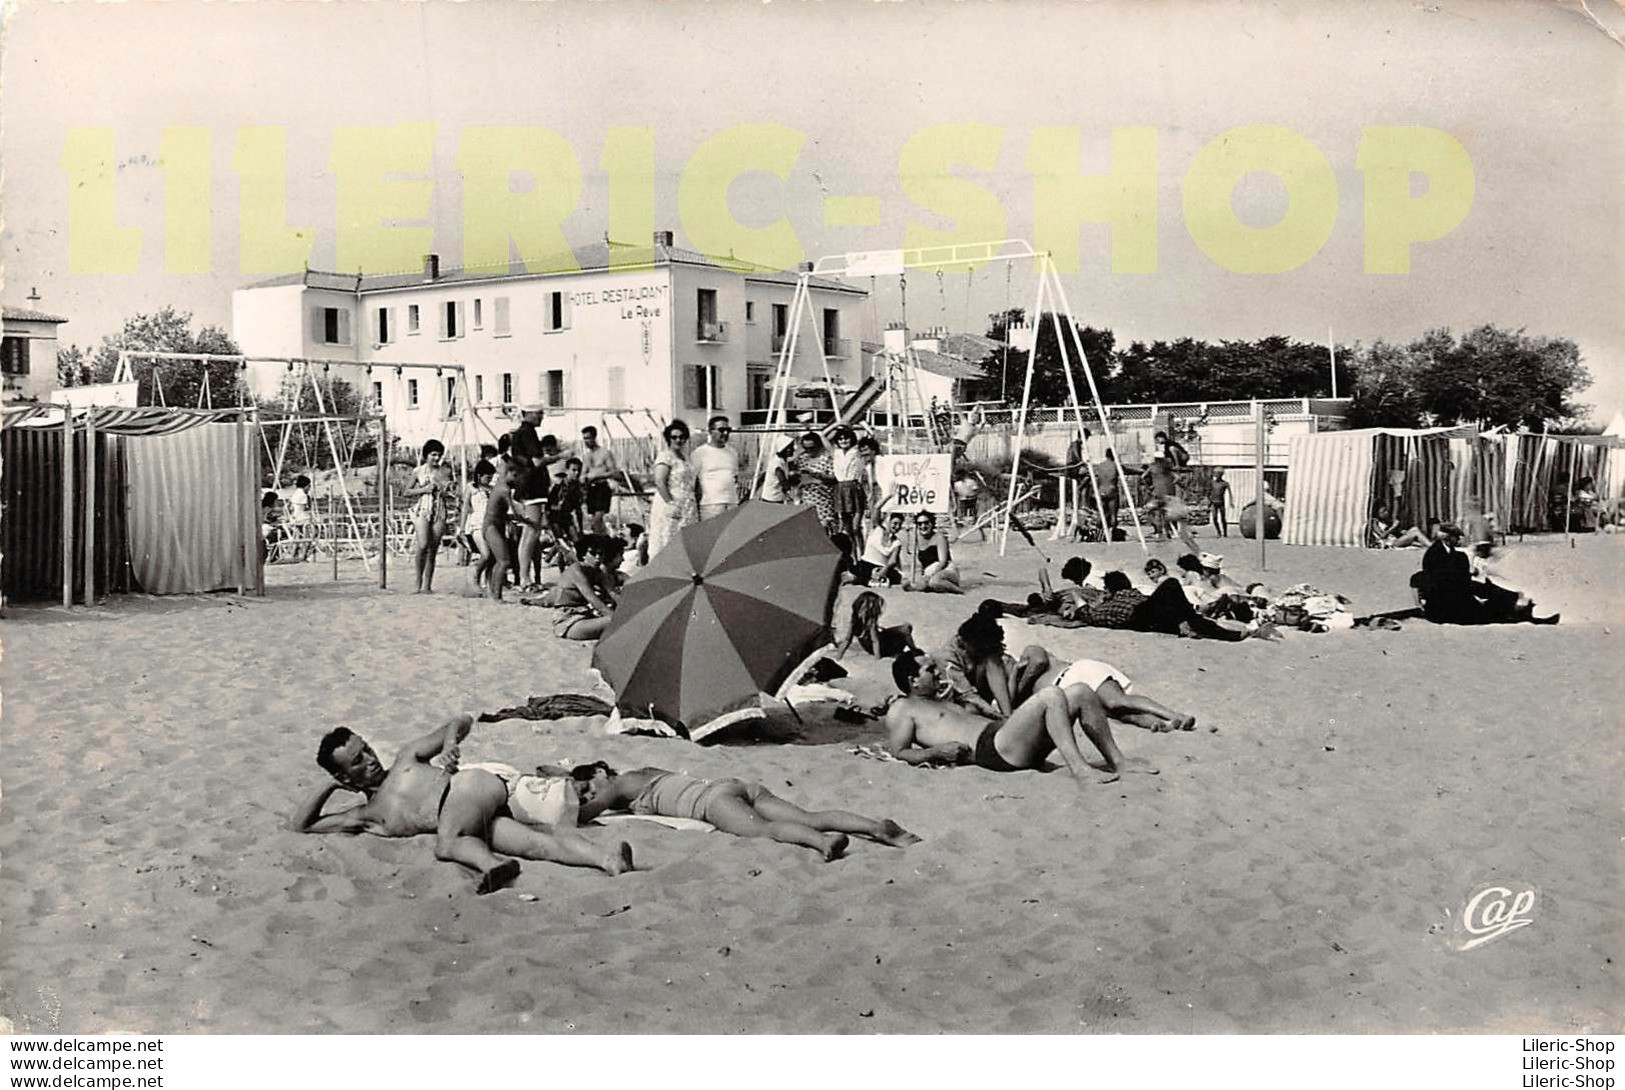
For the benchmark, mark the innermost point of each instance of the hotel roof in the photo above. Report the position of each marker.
(597, 257)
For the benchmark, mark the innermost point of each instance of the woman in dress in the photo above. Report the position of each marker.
(676, 503)
(816, 469)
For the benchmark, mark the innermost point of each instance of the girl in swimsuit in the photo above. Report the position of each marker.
(937, 571)
(882, 643)
(734, 806)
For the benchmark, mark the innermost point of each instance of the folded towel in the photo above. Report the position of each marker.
(693, 825)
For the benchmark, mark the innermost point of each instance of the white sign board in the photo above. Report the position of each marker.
(916, 482)
(102, 395)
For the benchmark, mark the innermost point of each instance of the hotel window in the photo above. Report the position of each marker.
(479, 314)
(499, 317)
(759, 388)
(330, 325)
(781, 319)
(451, 321)
(507, 388)
(750, 312)
(451, 396)
(479, 389)
(385, 333)
(702, 387)
(377, 395)
(411, 393)
(14, 356)
(558, 312)
(412, 320)
(554, 389)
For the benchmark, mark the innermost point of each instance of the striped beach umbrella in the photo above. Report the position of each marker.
(723, 613)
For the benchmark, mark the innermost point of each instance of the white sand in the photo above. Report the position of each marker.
(1294, 871)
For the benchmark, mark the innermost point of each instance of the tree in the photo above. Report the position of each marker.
(1193, 370)
(306, 447)
(164, 382)
(1049, 377)
(1386, 387)
(72, 366)
(1496, 376)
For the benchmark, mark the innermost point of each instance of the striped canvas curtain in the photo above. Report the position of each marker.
(1329, 493)
(186, 510)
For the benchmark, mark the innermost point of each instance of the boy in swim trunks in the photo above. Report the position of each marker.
(921, 728)
(734, 806)
(467, 810)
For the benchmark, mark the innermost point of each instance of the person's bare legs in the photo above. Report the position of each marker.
(1086, 708)
(1043, 725)
(770, 806)
(529, 544)
(732, 813)
(557, 846)
(460, 836)
(1120, 705)
(581, 628)
(496, 543)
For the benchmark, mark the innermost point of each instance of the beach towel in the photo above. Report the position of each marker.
(877, 753)
(555, 706)
(692, 825)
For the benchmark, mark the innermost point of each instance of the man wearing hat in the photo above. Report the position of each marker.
(1450, 594)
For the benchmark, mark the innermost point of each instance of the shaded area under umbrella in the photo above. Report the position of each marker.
(722, 614)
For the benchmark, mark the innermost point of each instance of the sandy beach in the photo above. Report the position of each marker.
(1301, 868)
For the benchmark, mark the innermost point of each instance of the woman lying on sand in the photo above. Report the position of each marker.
(734, 806)
(467, 810)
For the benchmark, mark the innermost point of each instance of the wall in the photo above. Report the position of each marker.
(40, 380)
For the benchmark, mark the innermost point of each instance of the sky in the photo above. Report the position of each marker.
(1532, 92)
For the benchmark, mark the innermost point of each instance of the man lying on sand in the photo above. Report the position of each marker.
(922, 727)
(734, 806)
(466, 809)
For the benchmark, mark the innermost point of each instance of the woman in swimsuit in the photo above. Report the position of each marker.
(937, 571)
(734, 806)
(587, 588)
(429, 485)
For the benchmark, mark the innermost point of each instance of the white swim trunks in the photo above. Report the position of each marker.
(534, 800)
(1094, 674)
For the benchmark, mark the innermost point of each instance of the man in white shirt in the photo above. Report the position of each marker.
(716, 464)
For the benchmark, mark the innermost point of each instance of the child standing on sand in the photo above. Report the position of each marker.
(1218, 493)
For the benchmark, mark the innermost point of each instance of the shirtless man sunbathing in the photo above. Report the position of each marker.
(921, 727)
(466, 809)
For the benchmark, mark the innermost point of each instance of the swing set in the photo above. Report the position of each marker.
(902, 381)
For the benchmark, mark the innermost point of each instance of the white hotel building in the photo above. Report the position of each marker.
(652, 333)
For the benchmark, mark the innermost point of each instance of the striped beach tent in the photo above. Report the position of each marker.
(1337, 479)
(175, 506)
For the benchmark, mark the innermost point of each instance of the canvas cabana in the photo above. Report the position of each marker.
(1339, 478)
(105, 500)
(1540, 471)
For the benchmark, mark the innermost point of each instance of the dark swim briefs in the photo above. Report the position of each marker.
(987, 755)
(599, 496)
